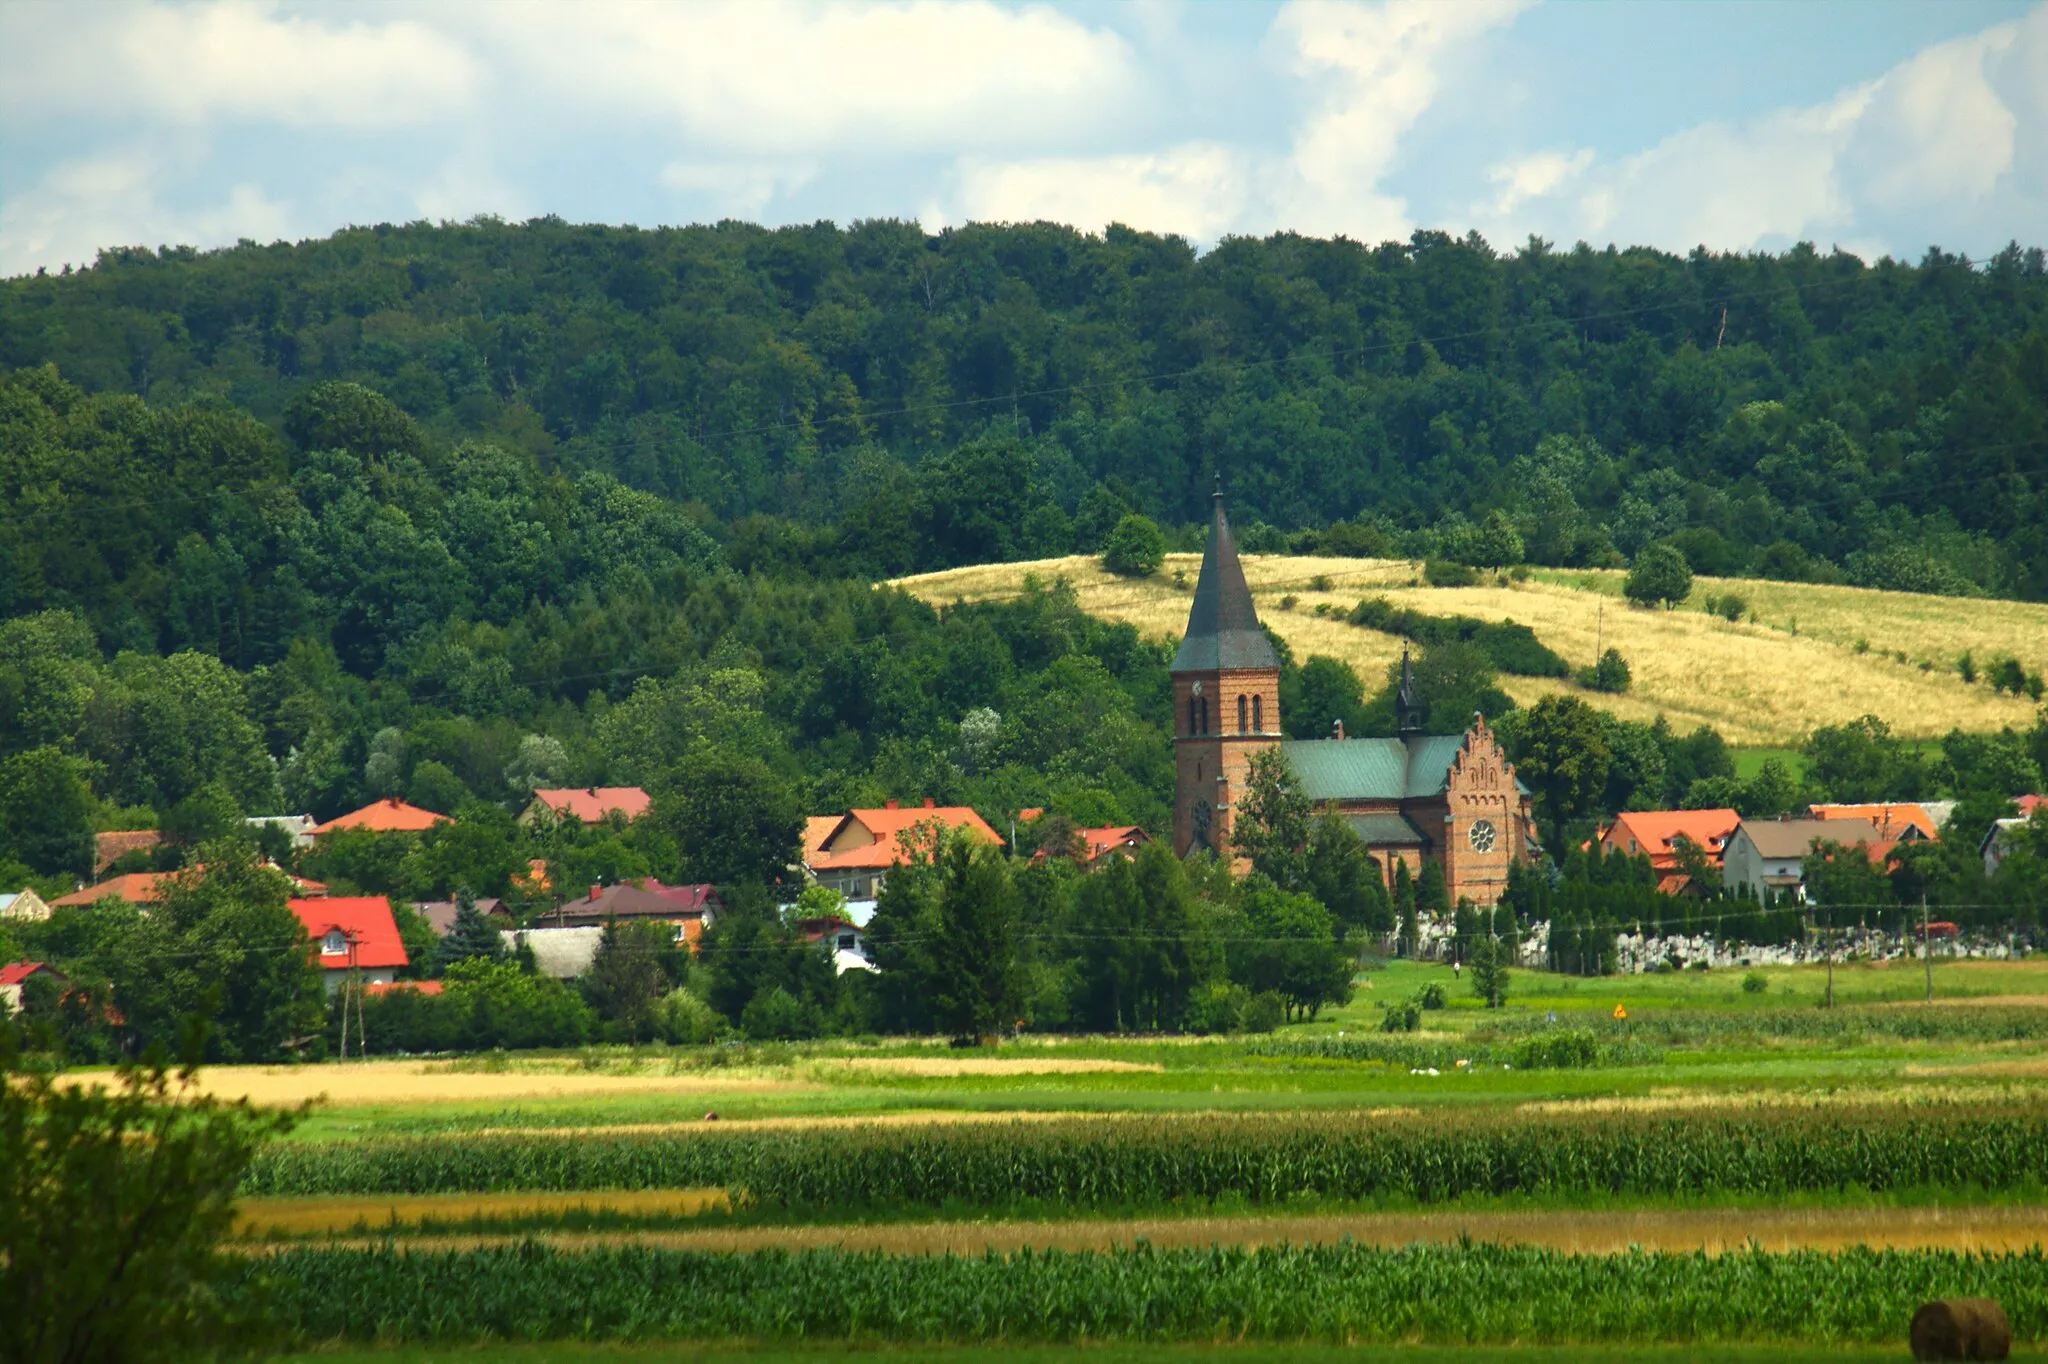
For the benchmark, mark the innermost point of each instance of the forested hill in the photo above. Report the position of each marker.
(874, 400)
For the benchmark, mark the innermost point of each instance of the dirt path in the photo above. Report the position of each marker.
(1599, 1232)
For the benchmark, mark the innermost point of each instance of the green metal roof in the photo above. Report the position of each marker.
(1383, 831)
(1348, 769)
(1429, 762)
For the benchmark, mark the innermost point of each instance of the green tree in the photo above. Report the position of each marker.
(1404, 909)
(1561, 752)
(1432, 892)
(1135, 549)
(118, 1201)
(628, 977)
(976, 984)
(46, 811)
(434, 786)
(470, 937)
(1658, 577)
(733, 818)
(1139, 930)
(1289, 944)
(1272, 824)
(1610, 674)
(1488, 969)
(1342, 874)
(1495, 543)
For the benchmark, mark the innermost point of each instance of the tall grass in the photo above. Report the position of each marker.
(1338, 1293)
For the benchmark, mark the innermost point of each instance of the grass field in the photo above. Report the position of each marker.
(1764, 682)
(1696, 1052)
(574, 1352)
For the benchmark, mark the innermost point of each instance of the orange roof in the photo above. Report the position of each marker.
(392, 816)
(1111, 838)
(592, 803)
(886, 826)
(418, 987)
(364, 919)
(1654, 832)
(1892, 818)
(136, 887)
(817, 829)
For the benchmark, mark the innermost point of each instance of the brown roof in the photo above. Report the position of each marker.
(1780, 839)
(628, 901)
(440, 914)
(109, 848)
(136, 887)
(1894, 819)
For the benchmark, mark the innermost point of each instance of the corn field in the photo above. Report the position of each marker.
(1976, 1024)
(1477, 1293)
(1267, 1159)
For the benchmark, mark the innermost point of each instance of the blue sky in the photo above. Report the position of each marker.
(1877, 126)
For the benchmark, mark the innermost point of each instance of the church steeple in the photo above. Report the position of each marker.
(1407, 702)
(1223, 625)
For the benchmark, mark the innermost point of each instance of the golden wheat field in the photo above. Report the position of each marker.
(1767, 680)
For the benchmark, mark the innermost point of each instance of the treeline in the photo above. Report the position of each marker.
(873, 399)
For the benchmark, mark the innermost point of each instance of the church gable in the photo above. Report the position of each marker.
(1480, 772)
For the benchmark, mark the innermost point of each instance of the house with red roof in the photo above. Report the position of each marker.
(688, 909)
(15, 974)
(855, 855)
(353, 933)
(1656, 834)
(1896, 821)
(388, 816)
(589, 804)
(148, 887)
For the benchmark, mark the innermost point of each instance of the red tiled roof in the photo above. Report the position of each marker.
(392, 816)
(692, 899)
(136, 887)
(1110, 838)
(1892, 818)
(2029, 804)
(887, 826)
(15, 972)
(364, 918)
(1654, 833)
(592, 803)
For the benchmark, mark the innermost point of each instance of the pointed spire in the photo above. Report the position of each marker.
(1223, 625)
(1407, 703)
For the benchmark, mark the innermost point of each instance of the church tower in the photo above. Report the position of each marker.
(1226, 695)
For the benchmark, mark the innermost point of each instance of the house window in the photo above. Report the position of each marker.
(846, 942)
(1241, 714)
(1258, 715)
(333, 945)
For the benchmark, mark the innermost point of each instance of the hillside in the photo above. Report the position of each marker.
(1764, 683)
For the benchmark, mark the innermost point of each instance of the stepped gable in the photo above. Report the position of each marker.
(1223, 626)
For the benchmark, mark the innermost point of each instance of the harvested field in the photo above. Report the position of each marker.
(1601, 1232)
(1902, 1095)
(257, 1217)
(408, 1082)
(1753, 681)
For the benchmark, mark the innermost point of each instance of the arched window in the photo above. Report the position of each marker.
(1240, 713)
(1205, 715)
(1258, 715)
(1192, 729)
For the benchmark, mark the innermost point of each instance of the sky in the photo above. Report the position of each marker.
(1876, 126)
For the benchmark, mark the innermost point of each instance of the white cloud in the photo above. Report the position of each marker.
(735, 189)
(84, 205)
(228, 60)
(1956, 126)
(782, 77)
(1198, 190)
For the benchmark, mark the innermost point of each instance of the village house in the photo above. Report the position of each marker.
(688, 909)
(1998, 841)
(148, 887)
(1895, 821)
(16, 974)
(299, 828)
(588, 804)
(1659, 834)
(847, 943)
(1449, 798)
(440, 914)
(24, 904)
(852, 853)
(1768, 856)
(355, 937)
(388, 816)
(1093, 846)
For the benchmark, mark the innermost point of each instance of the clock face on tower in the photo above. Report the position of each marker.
(1480, 835)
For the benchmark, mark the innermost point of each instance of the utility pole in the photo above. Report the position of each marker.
(1926, 948)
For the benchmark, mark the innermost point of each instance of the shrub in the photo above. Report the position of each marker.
(1320, 583)
(1264, 1012)
(1289, 602)
(1610, 674)
(687, 1020)
(1565, 1049)
(774, 1014)
(1755, 983)
(1966, 667)
(1403, 1017)
(1729, 606)
(1135, 549)
(1444, 573)
(1431, 995)
(1218, 1007)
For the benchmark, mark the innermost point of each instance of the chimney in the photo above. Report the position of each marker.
(1340, 729)
(889, 804)
(594, 890)
(930, 804)
(593, 793)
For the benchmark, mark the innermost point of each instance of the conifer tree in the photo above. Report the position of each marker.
(470, 936)
(1404, 909)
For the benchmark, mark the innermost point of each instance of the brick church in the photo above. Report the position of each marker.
(1450, 798)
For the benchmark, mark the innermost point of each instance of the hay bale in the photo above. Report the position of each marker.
(1961, 1328)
